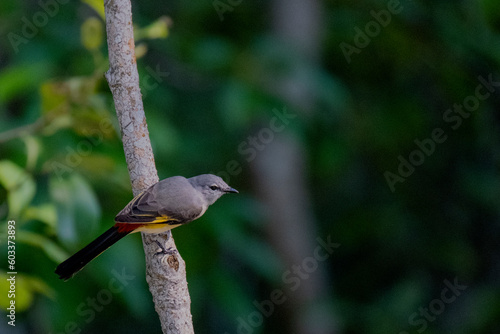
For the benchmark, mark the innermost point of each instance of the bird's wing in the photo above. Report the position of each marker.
(165, 202)
(144, 208)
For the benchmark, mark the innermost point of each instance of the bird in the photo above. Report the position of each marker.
(165, 205)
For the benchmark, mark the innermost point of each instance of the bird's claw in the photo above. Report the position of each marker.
(164, 251)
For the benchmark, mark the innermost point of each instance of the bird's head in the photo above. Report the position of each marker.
(211, 186)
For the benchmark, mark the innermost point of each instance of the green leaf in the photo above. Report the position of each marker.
(54, 98)
(157, 29)
(32, 151)
(53, 251)
(92, 33)
(19, 184)
(20, 79)
(96, 5)
(78, 210)
(45, 213)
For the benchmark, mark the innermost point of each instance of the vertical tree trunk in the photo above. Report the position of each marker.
(166, 276)
(280, 170)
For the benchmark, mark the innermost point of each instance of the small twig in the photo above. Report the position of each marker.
(22, 130)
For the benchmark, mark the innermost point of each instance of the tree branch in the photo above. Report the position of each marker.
(22, 130)
(166, 276)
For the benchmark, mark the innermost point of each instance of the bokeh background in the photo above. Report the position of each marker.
(363, 137)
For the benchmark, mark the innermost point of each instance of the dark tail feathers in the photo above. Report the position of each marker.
(75, 263)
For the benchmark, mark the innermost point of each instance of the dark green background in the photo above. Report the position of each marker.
(64, 177)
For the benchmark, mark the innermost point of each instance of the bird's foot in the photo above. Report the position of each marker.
(165, 251)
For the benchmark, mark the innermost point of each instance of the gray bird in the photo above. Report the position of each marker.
(167, 204)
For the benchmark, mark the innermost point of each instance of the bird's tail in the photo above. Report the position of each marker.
(76, 262)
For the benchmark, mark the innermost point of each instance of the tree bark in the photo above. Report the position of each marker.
(166, 275)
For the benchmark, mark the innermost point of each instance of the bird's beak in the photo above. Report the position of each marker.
(231, 190)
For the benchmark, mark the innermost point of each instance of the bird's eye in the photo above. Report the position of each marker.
(214, 187)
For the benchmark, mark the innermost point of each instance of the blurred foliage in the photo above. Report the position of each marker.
(206, 84)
